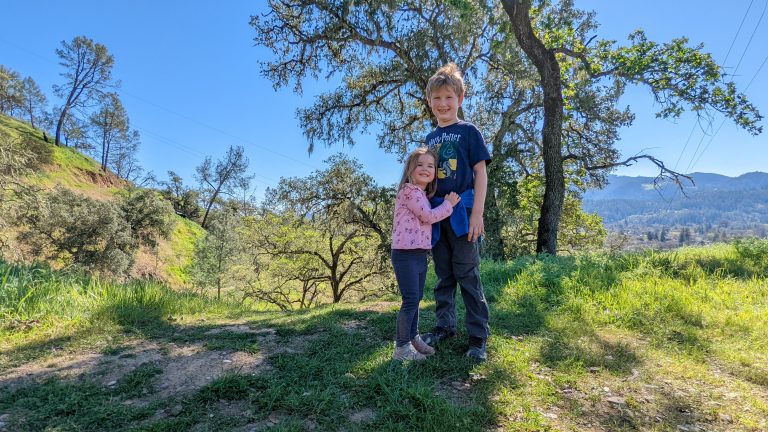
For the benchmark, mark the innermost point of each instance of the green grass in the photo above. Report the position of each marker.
(650, 341)
(178, 252)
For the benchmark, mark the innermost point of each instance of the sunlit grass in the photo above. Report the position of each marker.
(647, 341)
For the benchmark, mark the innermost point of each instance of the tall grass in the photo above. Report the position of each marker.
(37, 293)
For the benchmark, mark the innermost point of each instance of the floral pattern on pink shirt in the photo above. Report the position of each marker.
(414, 216)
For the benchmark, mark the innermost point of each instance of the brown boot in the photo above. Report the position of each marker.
(422, 346)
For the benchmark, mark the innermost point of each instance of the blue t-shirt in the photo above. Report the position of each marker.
(459, 147)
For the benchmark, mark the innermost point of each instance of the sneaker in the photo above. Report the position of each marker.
(422, 346)
(476, 348)
(437, 335)
(407, 352)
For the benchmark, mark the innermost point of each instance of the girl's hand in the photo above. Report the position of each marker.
(453, 198)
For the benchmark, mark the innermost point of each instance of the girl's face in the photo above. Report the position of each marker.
(424, 172)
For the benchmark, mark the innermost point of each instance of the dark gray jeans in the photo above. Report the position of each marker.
(458, 261)
(411, 272)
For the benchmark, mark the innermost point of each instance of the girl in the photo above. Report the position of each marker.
(411, 242)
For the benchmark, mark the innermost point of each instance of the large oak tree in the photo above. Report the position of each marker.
(385, 52)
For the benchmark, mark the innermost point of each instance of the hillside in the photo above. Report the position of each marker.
(73, 170)
(716, 208)
(673, 341)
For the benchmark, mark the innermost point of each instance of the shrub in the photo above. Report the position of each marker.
(753, 250)
(148, 214)
(76, 230)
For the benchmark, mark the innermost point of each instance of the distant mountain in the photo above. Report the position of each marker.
(642, 188)
(727, 206)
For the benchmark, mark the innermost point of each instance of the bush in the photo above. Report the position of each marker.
(75, 230)
(752, 250)
(148, 214)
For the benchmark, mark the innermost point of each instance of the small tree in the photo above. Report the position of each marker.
(183, 199)
(222, 179)
(217, 253)
(11, 90)
(328, 232)
(88, 72)
(35, 103)
(148, 214)
(109, 126)
(123, 160)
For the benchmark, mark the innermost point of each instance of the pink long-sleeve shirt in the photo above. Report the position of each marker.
(414, 216)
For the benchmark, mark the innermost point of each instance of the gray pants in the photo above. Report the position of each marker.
(458, 261)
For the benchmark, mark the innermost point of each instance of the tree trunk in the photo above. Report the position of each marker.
(493, 245)
(59, 125)
(549, 71)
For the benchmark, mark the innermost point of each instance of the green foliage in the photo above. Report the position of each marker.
(88, 72)
(148, 214)
(11, 90)
(579, 231)
(75, 230)
(222, 178)
(217, 253)
(753, 250)
(183, 199)
(321, 238)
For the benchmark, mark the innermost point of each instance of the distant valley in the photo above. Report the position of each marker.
(715, 208)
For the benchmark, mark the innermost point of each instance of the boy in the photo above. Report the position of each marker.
(461, 168)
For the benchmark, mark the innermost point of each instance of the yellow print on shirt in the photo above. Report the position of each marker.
(447, 160)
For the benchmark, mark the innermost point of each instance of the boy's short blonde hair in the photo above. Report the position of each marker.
(448, 75)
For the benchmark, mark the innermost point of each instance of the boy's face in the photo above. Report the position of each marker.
(445, 105)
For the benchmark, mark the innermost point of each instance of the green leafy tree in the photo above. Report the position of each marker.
(183, 199)
(218, 253)
(34, 104)
(223, 178)
(579, 230)
(88, 73)
(11, 90)
(109, 126)
(678, 75)
(386, 52)
(325, 231)
(148, 214)
(285, 270)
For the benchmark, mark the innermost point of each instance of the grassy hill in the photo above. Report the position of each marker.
(673, 341)
(69, 168)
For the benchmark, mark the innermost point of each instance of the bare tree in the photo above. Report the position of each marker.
(223, 178)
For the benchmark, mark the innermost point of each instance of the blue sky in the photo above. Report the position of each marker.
(191, 84)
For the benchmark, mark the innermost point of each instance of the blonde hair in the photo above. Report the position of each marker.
(448, 75)
(410, 165)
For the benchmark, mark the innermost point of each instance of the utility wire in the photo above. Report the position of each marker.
(183, 116)
(722, 64)
(695, 159)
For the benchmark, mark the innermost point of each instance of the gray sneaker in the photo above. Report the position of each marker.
(407, 352)
(477, 349)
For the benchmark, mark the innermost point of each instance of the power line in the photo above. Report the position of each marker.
(744, 18)
(751, 37)
(694, 158)
(183, 116)
(723, 122)
(722, 64)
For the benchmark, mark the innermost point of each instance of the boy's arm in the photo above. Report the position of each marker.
(476, 226)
